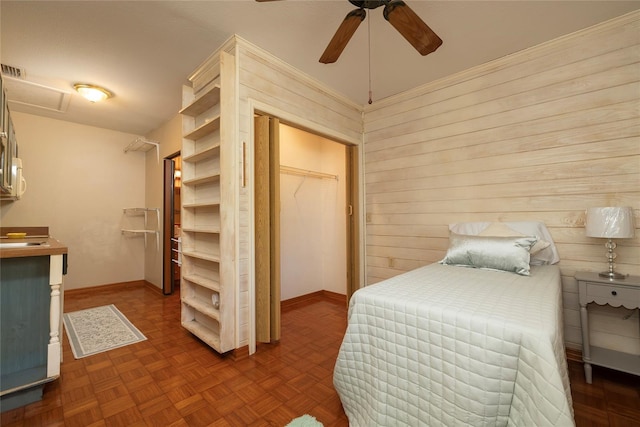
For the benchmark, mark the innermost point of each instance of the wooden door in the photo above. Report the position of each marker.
(267, 228)
(167, 227)
(353, 223)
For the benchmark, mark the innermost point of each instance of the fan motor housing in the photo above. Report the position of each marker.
(368, 4)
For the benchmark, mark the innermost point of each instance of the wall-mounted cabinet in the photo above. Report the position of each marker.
(208, 289)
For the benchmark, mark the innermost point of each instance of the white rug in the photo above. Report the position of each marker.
(99, 329)
(304, 421)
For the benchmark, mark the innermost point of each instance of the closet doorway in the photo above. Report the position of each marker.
(305, 216)
(171, 257)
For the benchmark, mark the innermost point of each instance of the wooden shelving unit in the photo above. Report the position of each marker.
(208, 290)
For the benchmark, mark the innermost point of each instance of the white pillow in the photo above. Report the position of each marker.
(506, 253)
(548, 255)
(501, 229)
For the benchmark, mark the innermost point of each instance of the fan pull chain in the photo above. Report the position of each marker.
(369, 34)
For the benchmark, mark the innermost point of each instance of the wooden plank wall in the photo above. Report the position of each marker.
(539, 135)
(276, 88)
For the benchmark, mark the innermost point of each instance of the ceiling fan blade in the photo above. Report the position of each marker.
(343, 35)
(412, 28)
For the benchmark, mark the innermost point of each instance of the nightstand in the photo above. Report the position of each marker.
(616, 293)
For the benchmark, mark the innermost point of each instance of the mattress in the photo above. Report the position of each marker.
(455, 346)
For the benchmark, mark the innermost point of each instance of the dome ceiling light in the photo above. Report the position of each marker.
(92, 92)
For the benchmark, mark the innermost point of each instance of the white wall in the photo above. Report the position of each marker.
(169, 136)
(78, 181)
(313, 220)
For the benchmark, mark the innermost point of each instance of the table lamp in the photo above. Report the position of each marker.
(610, 223)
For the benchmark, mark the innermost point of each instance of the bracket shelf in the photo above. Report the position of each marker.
(146, 230)
(144, 145)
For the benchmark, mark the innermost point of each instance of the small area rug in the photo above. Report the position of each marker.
(99, 329)
(304, 421)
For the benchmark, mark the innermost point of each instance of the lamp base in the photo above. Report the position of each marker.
(613, 275)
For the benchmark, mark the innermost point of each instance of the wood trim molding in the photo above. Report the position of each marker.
(334, 297)
(294, 73)
(168, 207)
(154, 288)
(306, 299)
(574, 355)
(111, 286)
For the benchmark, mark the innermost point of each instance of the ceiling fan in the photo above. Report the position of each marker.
(401, 16)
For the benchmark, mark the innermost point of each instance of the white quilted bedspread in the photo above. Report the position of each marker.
(454, 346)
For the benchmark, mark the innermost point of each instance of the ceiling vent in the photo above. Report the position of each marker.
(15, 72)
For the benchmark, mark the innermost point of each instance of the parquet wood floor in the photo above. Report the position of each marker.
(173, 379)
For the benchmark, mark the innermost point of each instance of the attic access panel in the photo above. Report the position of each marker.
(24, 93)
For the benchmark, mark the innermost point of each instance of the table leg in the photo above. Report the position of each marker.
(586, 346)
(587, 372)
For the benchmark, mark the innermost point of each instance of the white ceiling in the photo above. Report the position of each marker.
(143, 51)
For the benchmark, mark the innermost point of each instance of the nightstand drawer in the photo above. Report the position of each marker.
(613, 295)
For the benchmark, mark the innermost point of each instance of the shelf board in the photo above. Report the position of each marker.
(205, 282)
(202, 179)
(204, 154)
(204, 129)
(204, 333)
(129, 230)
(201, 255)
(194, 205)
(625, 362)
(140, 210)
(202, 229)
(144, 145)
(202, 307)
(203, 103)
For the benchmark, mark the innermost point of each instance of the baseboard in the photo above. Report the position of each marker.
(110, 286)
(335, 297)
(238, 354)
(306, 299)
(153, 287)
(573, 354)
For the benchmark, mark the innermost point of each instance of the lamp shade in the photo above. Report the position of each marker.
(610, 222)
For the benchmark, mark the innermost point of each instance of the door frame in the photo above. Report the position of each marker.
(355, 231)
(168, 202)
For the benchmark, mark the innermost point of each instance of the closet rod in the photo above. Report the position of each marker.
(290, 170)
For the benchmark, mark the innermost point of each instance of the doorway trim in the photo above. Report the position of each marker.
(261, 108)
(168, 167)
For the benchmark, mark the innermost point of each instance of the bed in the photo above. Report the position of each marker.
(449, 345)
